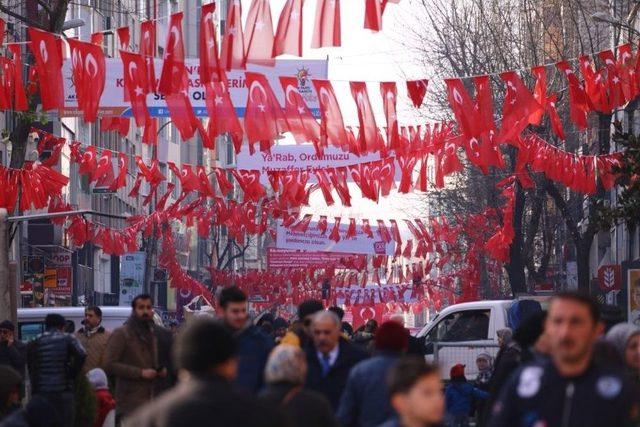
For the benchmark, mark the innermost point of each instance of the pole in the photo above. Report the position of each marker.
(8, 306)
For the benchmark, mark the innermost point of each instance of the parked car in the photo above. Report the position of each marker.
(31, 320)
(460, 332)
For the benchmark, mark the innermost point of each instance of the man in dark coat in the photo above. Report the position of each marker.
(254, 345)
(206, 355)
(331, 357)
(12, 351)
(138, 354)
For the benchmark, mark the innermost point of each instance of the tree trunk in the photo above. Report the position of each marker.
(515, 268)
(583, 249)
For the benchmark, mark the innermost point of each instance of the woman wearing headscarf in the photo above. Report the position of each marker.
(625, 337)
(284, 374)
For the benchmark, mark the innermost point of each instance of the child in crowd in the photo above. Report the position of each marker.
(106, 408)
(460, 396)
(415, 390)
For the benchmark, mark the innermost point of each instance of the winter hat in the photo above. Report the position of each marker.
(98, 379)
(457, 371)
(391, 336)
(487, 357)
(620, 335)
(7, 325)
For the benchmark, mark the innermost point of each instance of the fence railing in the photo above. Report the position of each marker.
(446, 355)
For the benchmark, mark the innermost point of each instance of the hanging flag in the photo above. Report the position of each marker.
(614, 82)
(2, 27)
(210, 69)
(173, 78)
(332, 129)
(463, 108)
(335, 233)
(327, 31)
(232, 54)
(258, 37)
(289, 33)
(519, 108)
(223, 182)
(264, 119)
(148, 51)
(150, 134)
(368, 138)
(88, 161)
(373, 14)
(135, 78)
(204, 187)
(48, 57)
(20, 97)
(389, 101)
(578, 103)
(124, 38)
(89, 71)
(222, 114)
(417, 89)
(104, 164)
(303, 125)
(182, 115)
(121, 179)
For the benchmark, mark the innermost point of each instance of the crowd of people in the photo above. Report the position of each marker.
(557, 368)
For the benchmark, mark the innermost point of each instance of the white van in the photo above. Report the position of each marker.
(31, 320)
(460, 332)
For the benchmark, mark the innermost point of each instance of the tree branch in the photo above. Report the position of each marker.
(22, 18)
(45, 6)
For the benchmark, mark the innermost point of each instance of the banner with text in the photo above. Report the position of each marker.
(287, 258)
(314, 240)
(112, 101)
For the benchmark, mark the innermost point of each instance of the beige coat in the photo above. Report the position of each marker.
(95, 346)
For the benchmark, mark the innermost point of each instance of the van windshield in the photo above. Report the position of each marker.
(469, 325)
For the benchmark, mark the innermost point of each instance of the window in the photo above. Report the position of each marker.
(27, 331)
(469, 325)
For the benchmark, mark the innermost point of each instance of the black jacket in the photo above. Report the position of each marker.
(303, 408)
(537, 394)
(334, 383)
(205, 402)
(54, 359)
(254, 347)
(14, 355)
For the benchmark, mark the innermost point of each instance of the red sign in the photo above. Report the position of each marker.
(288, 258)
(65, 282)
(610, 278)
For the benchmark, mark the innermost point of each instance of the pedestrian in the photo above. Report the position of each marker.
(254, 345)
(285, 374)
(364, 336)
(460, 396)
(205, 353)
(304, 336)
(10, 385)
(94, 338)
(138, 355)
(54, 360)
(415, 391)
(280, 326)
(568, 389)
(330, 358)
(484, 363)
(365, 400)
(13, 352)
(106, 404)
(416, 345)
(625, 337)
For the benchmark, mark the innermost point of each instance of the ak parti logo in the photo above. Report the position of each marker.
(379, 248)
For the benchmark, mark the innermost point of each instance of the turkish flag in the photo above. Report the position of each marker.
(20, 98)
(335, 232)
(97, 38)
(417, 89)
(150, 133)
(148, 51)
(135, 78)
(121, 179)
(578, 102)
(48, 56)
(223, 181)
(2, 27)
(204, 184)
(173, 78)
(232, 54)
(327, 31)
(124, 37)
(373, 14)
(303, 125)
(303, 224)
(463, 108)
(104, 164)
(210, 69)
(594, 85)
(188, 180)
(331, 125)
(519, 108)
(222, 114)
(368, 138)
(289, 33)
(88, 68)
(182, 115)
(389, 94)
(264, 119)
(258, 35)
(88, 161)
(361, 314)
(322, 224)
(614, 82)
(338, 178)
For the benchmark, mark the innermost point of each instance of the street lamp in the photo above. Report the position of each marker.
(73, 23)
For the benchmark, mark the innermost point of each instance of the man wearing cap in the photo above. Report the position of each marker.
(12, 351)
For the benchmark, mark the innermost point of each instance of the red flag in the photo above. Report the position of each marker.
(519, 108)
(303, 224)
(232, 54)
(463, 108)
(97, 38)
(417, 89)
(135, 78)
(366, 228)
(264, 119)
(578, 103)
(368, 138)
(614, 82)
(210, 69)
(322, 224)
(104, 164)
(223, 181)
(383, 232)
(373, 14)
(351, 231)
(173, 78)
(182, 115)
(2, 27)
(289, 33)
(150, 134)
(205, 187)
(389, 101)
(332, 125)
(48, 56)
(222, 114)
(88, 161)
(121, 179)
(124, 37)
(326, 31)
(258, 37)
(548, 103)
(88, 67)
(148, 51)
(335, 233)
(20, 100)
(303, 125)
(188, 180)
